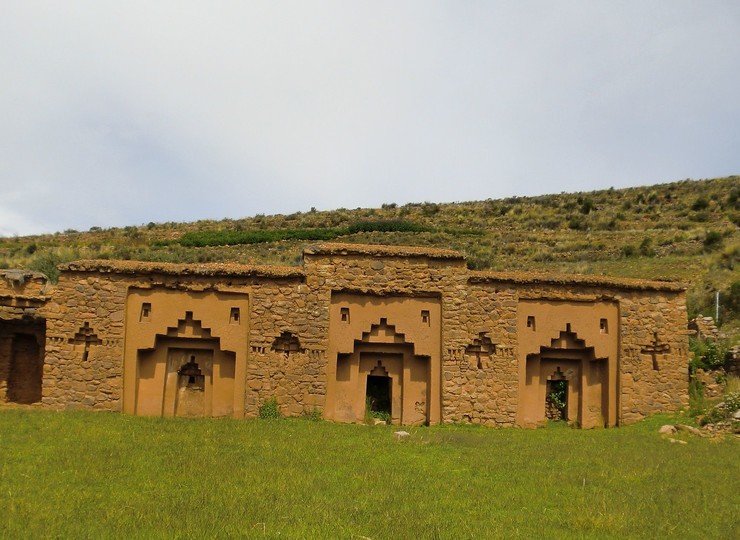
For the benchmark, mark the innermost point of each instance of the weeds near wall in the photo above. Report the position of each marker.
(314, 415)
(697, 402)
(371, 415)
(270, 410)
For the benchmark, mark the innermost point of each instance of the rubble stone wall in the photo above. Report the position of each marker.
(287, 348)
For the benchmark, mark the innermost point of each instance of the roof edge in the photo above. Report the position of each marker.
(577, 279)
(182, 269)
(331, 248)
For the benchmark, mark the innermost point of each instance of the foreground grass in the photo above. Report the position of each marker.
(86, 475)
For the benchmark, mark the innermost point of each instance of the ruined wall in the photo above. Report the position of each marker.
(22, 335)
(464, 364)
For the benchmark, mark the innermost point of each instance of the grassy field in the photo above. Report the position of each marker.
(98, 475)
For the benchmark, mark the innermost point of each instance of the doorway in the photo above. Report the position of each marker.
(26, 370)
(379, 395)
(556, 400)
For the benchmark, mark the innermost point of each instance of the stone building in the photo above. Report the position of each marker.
(407, 332)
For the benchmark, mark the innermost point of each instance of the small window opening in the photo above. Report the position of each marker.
(425, 319)
(344, 314)
(234, 316)
(146, 312)
(192, 374)
(604, 326)
(530, 322)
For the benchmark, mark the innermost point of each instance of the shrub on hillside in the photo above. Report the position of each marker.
(708, 354)
(700, 204)
(712, 240)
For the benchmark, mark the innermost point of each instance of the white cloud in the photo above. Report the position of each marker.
(124, 113)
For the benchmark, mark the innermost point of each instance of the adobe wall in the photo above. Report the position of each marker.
(455, 343)
(651, 364)
(385, 276)
(90, 305)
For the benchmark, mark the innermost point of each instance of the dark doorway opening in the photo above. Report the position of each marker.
(556, 400)
(191, 376)
(378, 394)
(26, 370)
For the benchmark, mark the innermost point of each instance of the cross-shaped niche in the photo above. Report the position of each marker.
(85, 336)
(654, 348)
(482, 348)
(287, 343)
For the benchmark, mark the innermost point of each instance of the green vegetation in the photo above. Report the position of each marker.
(270, 410)
(230, 238)
(708, 354)
(105, 475)
(685, 230)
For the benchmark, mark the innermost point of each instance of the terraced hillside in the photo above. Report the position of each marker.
(685, 230)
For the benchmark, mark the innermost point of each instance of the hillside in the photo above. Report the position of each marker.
(685, 231)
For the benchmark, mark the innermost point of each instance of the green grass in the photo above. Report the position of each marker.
(686, 230)
(104, 475)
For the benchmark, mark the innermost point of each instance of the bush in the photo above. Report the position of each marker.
(732, 298)
(646, 248)
(708, 354)
(700, 204)
(724, 410)
(629, 251)
(270, 410)
(576, 224)
(733, 198)
(712, 240)
(386, 226)
(46, 262)
(587, 206)
(371, 415)
(429, 209)
(314, 415)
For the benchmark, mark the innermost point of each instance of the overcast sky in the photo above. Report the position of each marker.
(120, 113)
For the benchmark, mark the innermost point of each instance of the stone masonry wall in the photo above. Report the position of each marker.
(289, 328)
(84, 346)
(655, 357)
(286, 359)
(480, 386)
(93, 303)
(653, 324)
